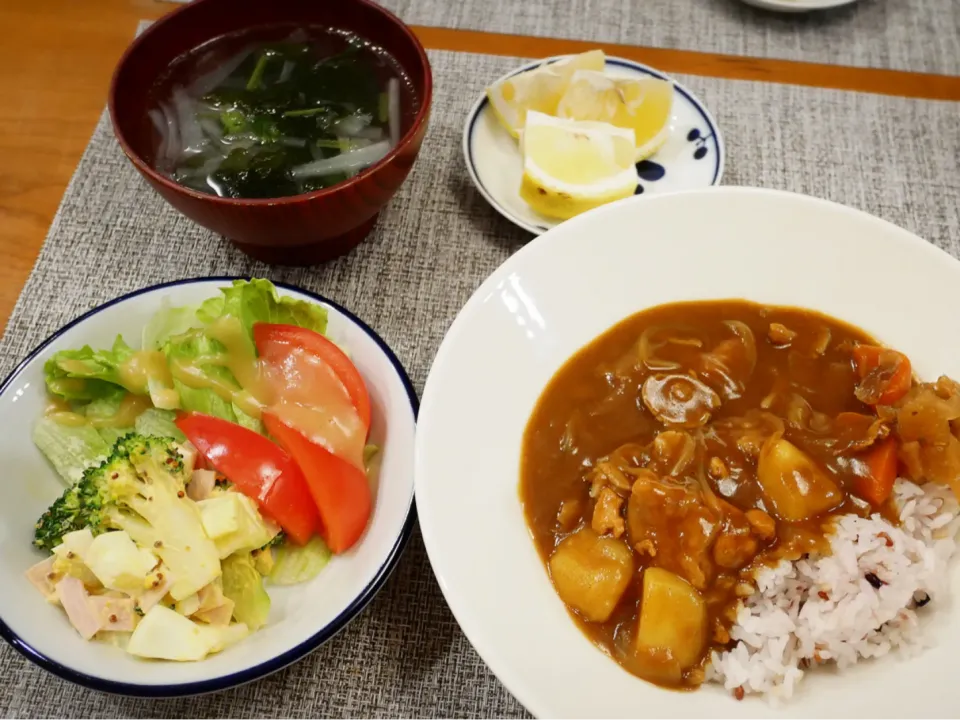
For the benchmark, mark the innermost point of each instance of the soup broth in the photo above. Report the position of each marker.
(279, 112)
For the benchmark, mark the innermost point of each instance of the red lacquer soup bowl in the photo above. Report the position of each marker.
(297, 230)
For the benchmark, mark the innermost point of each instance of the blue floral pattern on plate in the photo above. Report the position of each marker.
(651, 171)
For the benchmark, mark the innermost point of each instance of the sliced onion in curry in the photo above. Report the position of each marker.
(656, 337)
(672, 451)
(729, 366)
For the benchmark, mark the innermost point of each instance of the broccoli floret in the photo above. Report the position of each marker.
(140, 489)
(83, 504)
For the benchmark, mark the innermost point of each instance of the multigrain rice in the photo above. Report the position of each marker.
(860, 601)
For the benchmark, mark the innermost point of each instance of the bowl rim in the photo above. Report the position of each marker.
(304, 648)
(155, 177)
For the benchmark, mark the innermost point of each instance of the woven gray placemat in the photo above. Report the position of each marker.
(405, 656)
(917, 35)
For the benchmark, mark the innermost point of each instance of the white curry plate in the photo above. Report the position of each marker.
(692, 157)
(302, 617)
(557, 294)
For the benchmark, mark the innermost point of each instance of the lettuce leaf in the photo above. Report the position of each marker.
(258, 301)
(159, 423)
(192, 347)
(247, 421)
(110, 435)
(179, 332)
(71, 449)
(88, 374)
(295, 564)
(105, 408)
(167, 322)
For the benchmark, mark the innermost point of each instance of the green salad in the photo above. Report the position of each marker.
(197, 471)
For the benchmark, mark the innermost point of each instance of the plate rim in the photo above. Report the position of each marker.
(303, 648)
(797, 6)
(520, 690)
(480, 104)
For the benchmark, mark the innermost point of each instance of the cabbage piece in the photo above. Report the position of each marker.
(164, 634)
(243, 584)
(234, 523)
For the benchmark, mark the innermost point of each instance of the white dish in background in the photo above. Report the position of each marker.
(797, 6)
(561, 291)
(692, 157)
(302, 617)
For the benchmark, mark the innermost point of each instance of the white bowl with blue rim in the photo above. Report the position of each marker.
(302, 617)
(692, 157)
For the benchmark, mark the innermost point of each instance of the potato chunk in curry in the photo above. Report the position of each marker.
(673, 620)
(591, 573)
(795, 486)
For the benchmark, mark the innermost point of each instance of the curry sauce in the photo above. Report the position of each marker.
(702, 439)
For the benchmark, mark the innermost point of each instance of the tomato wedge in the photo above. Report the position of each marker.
(267, 336)
(258, 468)
(340, 490)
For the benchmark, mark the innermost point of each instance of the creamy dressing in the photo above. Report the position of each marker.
(68, 418)
(144, 365)
(130, 407)
(193, 376)
(146, 371)
(239, 358)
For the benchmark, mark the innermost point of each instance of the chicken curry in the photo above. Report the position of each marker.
(695, 442)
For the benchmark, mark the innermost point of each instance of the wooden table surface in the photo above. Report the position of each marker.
(57, 56)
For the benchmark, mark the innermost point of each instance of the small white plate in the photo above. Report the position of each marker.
(302, 617)
(797, 6)
(558, 293)
(691, 158)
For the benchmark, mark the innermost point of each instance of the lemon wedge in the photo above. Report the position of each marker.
(539, 89)
(570, 167)
(640, 104)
